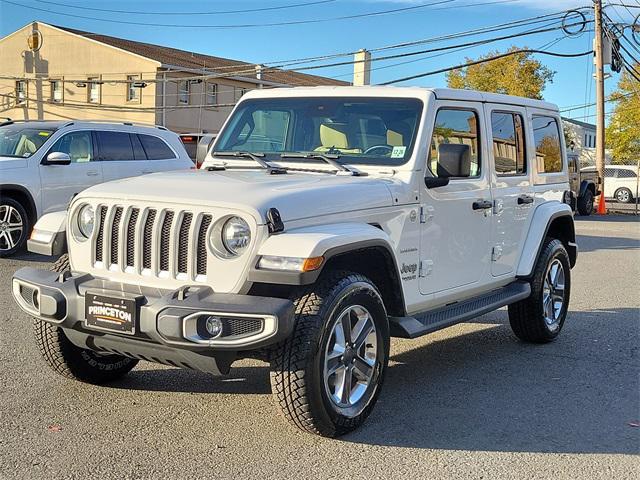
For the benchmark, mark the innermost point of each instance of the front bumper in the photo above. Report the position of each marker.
(165, 330)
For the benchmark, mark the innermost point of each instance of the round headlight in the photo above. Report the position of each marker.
(86, 218)
(236, 235)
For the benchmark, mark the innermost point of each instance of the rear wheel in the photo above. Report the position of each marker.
(327, 376)
(70, 361)
(623, 195)
(14, 226)
(540, 317)
(585, 203)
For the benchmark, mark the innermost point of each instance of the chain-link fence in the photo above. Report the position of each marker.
(622, 186)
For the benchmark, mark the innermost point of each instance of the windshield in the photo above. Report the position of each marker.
(377, 131)
(21, 141)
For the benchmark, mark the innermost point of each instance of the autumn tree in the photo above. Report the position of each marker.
(517, 74)
(623, 132)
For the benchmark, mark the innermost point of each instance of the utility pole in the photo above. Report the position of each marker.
(600, 137)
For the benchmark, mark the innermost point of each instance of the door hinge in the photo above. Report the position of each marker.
(426, 213)
(425, 268)
(496, 253)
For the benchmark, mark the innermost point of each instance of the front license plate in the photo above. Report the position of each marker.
(111, 313)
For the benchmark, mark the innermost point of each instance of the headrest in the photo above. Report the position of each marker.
(454, 160)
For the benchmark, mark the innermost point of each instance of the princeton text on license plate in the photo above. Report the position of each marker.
(111, 313)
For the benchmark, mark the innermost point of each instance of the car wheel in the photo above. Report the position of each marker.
(14, 226)
(540, 317)
(327, 376)
(71, 361)
(585, 203)
(623, 195)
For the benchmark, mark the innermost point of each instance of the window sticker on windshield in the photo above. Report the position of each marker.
(44, 134)
(398, 152)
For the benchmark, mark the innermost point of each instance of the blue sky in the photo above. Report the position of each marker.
(572, 84)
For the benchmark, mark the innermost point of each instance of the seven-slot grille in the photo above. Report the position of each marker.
(167, 236)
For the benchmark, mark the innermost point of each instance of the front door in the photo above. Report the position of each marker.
(456, 228)
(60, 183)
(511, 185)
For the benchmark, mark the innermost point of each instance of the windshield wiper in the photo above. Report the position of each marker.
(327, 158)
(256, 157)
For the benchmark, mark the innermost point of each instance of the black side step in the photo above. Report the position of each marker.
(443, 317)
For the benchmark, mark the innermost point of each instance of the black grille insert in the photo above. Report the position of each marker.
(131, 237)
(165, 240)
(115, 238)
(100, 237)
(147, 239)
(183, 243)
(201, 261)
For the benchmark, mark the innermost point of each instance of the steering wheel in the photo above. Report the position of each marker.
(388, 149)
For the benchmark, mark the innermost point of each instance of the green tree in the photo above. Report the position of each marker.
(623, 132)
(516, 74)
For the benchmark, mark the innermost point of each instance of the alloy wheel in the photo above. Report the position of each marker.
(553, 295)
(11, 227)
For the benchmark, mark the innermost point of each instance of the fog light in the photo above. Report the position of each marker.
(213, 325)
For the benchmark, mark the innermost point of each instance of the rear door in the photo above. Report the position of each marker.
(117, 155)
(511, 186)
(159, 156)
(60, 183)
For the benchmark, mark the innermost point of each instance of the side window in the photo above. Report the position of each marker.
(138, 151)
(610, 172)
(114, 146)
(77, 145)
(155, 148)
(546, 134)
(454, 144)
(624, 173)
(508, 143)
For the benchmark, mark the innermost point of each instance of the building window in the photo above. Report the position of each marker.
(239, 92)
(184, 89)
(93, 85)
(21, 92)
(56, 91)
(212, 93)
(133, 93)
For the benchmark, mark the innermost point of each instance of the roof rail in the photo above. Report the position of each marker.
(140, 124)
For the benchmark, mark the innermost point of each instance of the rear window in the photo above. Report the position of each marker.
(546, 134)
(155, 148)
(115, 146)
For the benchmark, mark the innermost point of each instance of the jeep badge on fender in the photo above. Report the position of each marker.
(323, 222)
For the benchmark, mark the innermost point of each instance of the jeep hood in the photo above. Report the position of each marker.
(295, 195)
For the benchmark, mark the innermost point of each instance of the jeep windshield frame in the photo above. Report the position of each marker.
(22, 140)
(377, 131)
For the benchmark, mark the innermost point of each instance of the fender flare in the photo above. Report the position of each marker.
(584, 185)
(49, 234)
(328, 241)
(543, 217)
(31, 208)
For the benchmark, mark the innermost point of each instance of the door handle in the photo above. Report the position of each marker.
(525, 199)
(147, 171)
(92, 173)
(482, 205)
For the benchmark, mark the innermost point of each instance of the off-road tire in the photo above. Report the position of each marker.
(585, 203)
(627, 199)
(297, 380)
(73, 362)
(26, 227)
(526, 316)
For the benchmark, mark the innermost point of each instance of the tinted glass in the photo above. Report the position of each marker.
(115, 146)
(624, 173)
(77, 145)
(155, 148)
(373, 131)
(138, 151)
(458, 129)
(18, 141)
(508, 143)
(547, 137)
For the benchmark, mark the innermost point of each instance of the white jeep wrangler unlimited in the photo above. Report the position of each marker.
(324, 222)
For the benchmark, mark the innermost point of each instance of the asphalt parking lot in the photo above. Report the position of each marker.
(467, 402)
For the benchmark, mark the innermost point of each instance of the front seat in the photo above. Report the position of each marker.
(333, 137)
(79, 150)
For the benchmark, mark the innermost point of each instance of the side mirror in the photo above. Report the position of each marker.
(203, 147)
(435, 182)
(57, 158)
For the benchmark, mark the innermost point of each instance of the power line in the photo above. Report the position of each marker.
(241, 25)
(218, 12)
(485, 60)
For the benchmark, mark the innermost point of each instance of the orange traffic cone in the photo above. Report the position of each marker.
(602, 208)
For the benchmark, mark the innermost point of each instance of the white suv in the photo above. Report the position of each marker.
(44, 164)
(621, 182)
(324, 222)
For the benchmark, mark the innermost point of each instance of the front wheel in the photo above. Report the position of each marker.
(327, 376)
(14, 226)
(540, 317)
(623, 195)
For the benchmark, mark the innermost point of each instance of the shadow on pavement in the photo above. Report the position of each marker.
(587, 243)
(485, 390)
